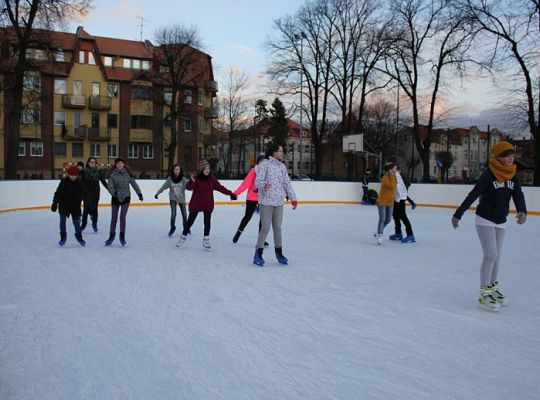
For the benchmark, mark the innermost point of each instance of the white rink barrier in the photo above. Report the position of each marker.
(38, 194)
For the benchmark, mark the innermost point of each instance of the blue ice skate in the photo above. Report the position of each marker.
(397, 236)
(257, 258)
(408, 239)
(280, 257)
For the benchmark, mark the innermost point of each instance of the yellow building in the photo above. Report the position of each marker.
(106, 98)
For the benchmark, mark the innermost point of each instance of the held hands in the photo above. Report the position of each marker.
(233, 197)
(54, 207)
(192, 176)
(267, 186)
(140, 196)
(294, 204)
(455, 222)
(521, 217)
(156, 197)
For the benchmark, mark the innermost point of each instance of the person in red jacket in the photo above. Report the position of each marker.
(202, 200)
(252, 198)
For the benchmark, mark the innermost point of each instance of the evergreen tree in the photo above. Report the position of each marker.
(279, 130)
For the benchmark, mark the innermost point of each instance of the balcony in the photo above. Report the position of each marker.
(141, 135)
(99, 103)
(73, 101)
(74, 132)
(210, 113)
(30, 131)
(99, 134)
(211, 86)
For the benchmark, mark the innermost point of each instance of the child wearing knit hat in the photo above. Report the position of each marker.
(202, 200)
(496, 186)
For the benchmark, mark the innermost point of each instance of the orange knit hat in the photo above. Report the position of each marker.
(499, 148)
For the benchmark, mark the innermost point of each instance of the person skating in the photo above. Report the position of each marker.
(252, 199)
(365, 186)
(67, 200)
(399, 213)
(274, 185)
(176, 183)
(385, 202)
(496, 186)
(202, 200)
(120, 178)
(90, 176)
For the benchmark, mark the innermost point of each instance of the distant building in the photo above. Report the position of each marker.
(96, 96)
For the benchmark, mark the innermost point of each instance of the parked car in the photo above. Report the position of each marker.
(300, 177)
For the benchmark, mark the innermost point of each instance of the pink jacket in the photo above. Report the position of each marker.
(249, 184)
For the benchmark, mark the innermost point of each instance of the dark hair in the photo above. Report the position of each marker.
(388, 166)
(80, 164)
(171, 172)
(91, 158)
(271, 149)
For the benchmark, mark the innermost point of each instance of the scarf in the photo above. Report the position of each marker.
(502, 172)
(92, 173)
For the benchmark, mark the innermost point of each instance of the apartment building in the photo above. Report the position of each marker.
(104, 97)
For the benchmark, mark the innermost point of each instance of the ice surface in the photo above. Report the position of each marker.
(346, 319)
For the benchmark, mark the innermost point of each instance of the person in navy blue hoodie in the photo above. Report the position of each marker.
(67, 200)
(496, 186)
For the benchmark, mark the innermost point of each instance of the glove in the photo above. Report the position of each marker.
(234, 197)
(257, 208)
(140, 197)
(54, 207)
(294, 204)
(156, 197)
(455, 222)
(413, 206)
(521, 217)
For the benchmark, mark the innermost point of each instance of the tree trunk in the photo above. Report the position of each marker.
(13, 126)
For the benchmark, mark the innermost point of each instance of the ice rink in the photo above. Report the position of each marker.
(346, 319)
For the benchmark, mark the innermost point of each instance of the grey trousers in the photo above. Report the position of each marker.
(385, 216)
(491, 239)
(270, 216)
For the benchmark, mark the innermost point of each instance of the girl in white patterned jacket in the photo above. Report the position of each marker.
(274, 186)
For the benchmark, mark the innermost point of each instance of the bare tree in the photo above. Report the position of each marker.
(432, 38)
(515, 48)
(179, 69)
(233, 107)
(22, 18)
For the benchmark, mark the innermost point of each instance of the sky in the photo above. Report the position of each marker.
(234, 33)
(346, 319)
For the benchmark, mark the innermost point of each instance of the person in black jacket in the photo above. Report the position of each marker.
(90, 176)
(495, 187)
(365, 187)
(67, 200)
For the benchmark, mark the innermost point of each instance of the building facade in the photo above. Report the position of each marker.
(103, 97)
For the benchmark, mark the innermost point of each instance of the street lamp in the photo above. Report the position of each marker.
(301, 36)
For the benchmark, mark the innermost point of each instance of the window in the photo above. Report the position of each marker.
(112, 121)
(112, 90)
(111, 151)
(146, 65)
(81, 57)
(60, 86)
(95, 150)
(127, 63)
(59, 118)
(60, 149)
(31, 116)
(187, 125)
(187, 97)
(77, 87)
(136, 64)
(22, 149)
(77, 150)
(91, 59)
(32, 83)
(36, 149)
(37, 54)
(141, 122)
(148, 151)
(59, 56)
(95, 88)
(133, 151)
(167, 97)
(141, 92)
(107, 61)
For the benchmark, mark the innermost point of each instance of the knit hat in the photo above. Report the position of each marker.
(501, 147)
(73, 170)
(204, 164)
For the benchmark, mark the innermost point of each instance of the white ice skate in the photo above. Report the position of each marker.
(378, 238)
(499, 297)
(487, 300)
(181, 240)
(206, 243)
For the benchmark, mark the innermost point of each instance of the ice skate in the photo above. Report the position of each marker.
(110, 240)
(206, 243)
(257, 258)
(181, 240)
(123, 238)
(486, 299)
(80, 239)
(280, 257)
(397, 236)
(408, 239)
(499, 297)
(63, 238)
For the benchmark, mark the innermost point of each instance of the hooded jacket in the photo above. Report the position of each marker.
(273, 172)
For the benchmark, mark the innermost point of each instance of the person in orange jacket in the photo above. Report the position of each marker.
(385, 202)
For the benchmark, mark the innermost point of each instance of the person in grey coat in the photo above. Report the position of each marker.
(120, 179)
(176, 183)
